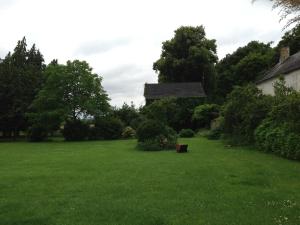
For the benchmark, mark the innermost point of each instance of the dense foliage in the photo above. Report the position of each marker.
(20, 80)
(243, 111)
(75, 130)
(204, 114)
(108, 128)
(188, 57)
(153, 136)
(37, 133)
(71, 92)
(279, 132)
(290, 39)
(175, 113)
(186, 133)
(244, 65)
(127, 114)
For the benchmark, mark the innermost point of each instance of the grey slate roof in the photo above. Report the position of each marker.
(179, 90)
(291, 64)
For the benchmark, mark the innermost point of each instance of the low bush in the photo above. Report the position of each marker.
(186, 133)
(128, 132)
(204, 114)
(95, 133)
(149, 129)
(37, 133)
(278, 139)
(243, 112)
(75, 131)
(152, 134)
(108, 128)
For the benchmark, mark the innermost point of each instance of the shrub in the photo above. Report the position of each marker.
(186, 133)
(204, 114)
(37, 133)
(75, 130)
(152, 133)
(174, 112)
(127, 113)
(128, 132)
(108, 128)
(278, 139)
(94, 133)
(279, 132)
(243, 111)
(150, 129)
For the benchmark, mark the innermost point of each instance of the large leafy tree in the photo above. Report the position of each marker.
(188, 57)
(20, 80)
(244, 65)
(71, 92)
(290, 39)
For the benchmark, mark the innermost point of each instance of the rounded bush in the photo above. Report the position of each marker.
(75, 131)
(150, 129)
(152, 134)
(109, 128)
(186, 133)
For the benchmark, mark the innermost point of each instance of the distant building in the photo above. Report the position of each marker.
(288, 67)
(178, 90)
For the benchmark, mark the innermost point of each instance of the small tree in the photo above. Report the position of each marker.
(71, 92)
(243, 111)
(204, 114)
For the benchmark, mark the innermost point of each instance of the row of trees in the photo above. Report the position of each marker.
(40, 98)
(190, 57)
(21, 78)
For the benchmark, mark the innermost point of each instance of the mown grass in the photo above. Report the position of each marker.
(112, 183)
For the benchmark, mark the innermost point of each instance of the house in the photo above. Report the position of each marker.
(178, 90)
(288, 67)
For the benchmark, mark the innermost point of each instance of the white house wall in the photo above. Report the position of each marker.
(292, 80)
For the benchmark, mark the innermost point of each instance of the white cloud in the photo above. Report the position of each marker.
(121, 39)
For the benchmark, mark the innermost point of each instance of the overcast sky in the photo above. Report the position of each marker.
(121, 39)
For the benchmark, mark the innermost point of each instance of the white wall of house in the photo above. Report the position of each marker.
(292, 80)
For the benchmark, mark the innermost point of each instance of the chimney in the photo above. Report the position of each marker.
(284, 54)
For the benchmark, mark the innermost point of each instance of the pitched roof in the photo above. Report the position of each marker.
(179, 90)
(289, 65)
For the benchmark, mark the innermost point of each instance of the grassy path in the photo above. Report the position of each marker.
(111, 183)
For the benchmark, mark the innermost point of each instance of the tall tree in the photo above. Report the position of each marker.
(188, 57)
(244, 65)
(20, 80)
(290, 39)
(71, 92)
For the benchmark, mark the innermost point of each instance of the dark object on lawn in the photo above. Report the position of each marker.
(181, 148)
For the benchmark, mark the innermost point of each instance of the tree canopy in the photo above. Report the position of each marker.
(244, 65)
(20, 80)
(71, 92)
(188, 57)
(290, 39)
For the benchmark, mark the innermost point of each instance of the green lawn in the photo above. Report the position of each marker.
(111, 183)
